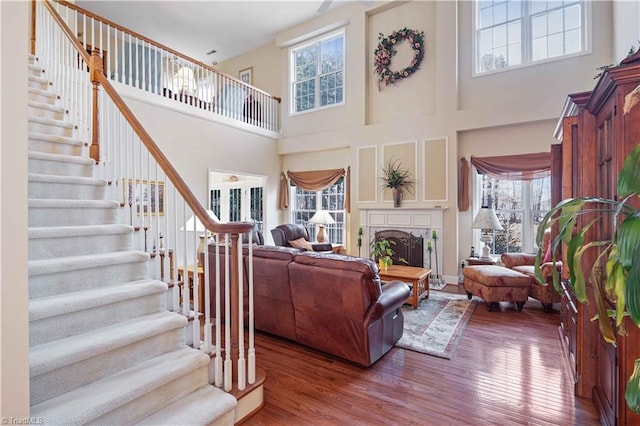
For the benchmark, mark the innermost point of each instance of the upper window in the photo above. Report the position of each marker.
(518, 32)
(317, 74)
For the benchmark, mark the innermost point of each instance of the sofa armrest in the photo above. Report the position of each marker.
(322, 247)
(517, 259)
(394, 294)
(547, 270)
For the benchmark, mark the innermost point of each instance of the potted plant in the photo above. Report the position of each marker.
(381, 251)
(621, 281)
(398, 179)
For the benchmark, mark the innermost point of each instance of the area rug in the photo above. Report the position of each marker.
(435, 328)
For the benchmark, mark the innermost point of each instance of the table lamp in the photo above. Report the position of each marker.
(321, 218)
(487, 221)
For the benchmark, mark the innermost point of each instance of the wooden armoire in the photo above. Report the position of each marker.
(596, 137)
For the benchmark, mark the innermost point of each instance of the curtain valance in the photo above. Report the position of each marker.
(316, 180)
(515, 167)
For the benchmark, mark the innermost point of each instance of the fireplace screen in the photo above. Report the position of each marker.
(407, 246)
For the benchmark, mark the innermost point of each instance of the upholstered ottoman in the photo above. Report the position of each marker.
(496, 284)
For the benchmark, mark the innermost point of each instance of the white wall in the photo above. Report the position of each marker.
(441, 100)
(626, 28)
(14, 313)
(195, 143)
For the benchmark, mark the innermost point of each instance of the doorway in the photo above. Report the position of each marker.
(235, 197)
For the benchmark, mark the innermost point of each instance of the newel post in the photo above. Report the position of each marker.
(235, 293)
(95, 69)
(32, 45)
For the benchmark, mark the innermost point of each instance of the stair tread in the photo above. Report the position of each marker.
(63, 158)
(50, 121)
(55, 138)
(77, 180)
(87, 261)
(60, 304)
(44, 105)
(96, 399)
(77, 231)
(39, 79)
(198, 408)
(70, 203)
(70, 350)
(41, 92)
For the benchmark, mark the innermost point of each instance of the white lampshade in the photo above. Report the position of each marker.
(199, 227)
(487, 219)
(322, 217)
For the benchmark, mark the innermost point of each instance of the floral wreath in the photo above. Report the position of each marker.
(386, 50)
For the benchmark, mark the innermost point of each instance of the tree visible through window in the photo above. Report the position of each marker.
(520, 206)
(317, 74)
(306, 203)
(516, 32)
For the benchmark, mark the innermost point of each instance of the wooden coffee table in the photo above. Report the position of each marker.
(417, 277)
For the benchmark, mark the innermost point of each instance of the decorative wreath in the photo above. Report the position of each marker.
(387, 49)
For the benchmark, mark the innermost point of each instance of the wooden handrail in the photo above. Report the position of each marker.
(161, 46)
(147, 140)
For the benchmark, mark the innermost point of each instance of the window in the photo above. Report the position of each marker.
(520, 206)
(306, 203)
(513, 32)
(317, 74)
(237, 199)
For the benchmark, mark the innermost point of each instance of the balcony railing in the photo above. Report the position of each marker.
(133, 59)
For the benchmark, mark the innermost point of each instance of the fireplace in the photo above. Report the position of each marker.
(406, 246)
(420, 223)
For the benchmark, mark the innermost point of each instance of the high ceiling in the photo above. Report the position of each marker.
(197, 27)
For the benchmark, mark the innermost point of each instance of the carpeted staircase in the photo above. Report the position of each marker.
(103, 347)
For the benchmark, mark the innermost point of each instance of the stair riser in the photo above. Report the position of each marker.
(60, 168)
(48, 98)
(54, 147)
(48, 248)
(67, 217)
(48, 190)
(46, 113)
(39, 84)
(61, 326)
(50, 129)
(156, 399)
(96, 367)
(82, 279)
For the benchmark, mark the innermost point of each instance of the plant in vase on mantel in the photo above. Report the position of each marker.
(398, 179)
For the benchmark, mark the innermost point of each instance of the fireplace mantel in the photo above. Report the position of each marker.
(419, 222)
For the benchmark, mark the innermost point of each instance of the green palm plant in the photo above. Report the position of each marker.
(621, 280)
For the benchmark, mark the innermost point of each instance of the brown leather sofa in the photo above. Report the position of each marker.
(329, 302)
(282, 234)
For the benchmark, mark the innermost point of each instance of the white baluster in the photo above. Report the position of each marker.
(228, 365)
(252, 352)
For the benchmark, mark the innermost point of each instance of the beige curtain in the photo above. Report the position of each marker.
(515, 167)
(463, 185)
(283, 201)
(316, 180)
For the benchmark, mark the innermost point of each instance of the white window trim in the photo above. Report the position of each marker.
(587, 38)
(308, 42)
(292, 196)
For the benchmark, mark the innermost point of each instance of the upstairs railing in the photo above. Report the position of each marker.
(132, 59)
(168, 220)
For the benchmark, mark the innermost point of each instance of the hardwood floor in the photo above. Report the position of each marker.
(508, 369)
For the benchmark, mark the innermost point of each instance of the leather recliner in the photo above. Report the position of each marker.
(282, 234)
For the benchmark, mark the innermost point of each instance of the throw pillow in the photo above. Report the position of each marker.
(301, 243)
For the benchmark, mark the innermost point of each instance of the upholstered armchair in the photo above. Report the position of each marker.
(525, 263)
(294, 235)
